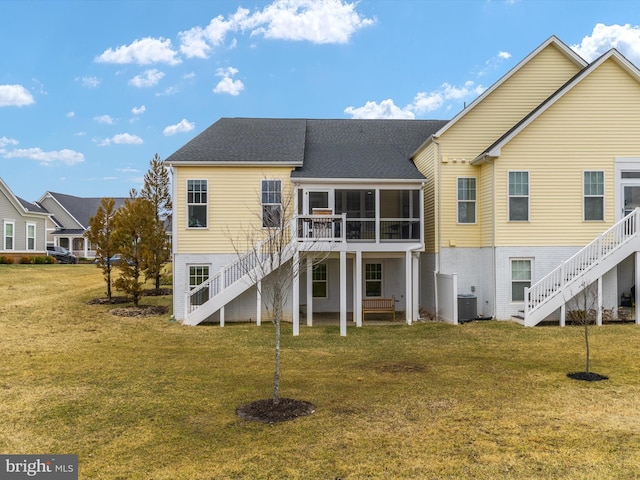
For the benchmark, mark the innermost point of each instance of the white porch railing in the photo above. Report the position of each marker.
(325, 228)
(573, 268)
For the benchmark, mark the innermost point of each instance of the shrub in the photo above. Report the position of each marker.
(6, 260)
(26, 260)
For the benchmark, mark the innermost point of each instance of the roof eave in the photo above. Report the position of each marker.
(195, 163)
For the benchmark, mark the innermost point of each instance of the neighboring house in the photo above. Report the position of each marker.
(23, 226)
(70, 220)
(507, 210)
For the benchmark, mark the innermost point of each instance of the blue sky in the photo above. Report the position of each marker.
(91, 90)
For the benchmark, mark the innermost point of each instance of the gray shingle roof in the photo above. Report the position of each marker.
(31, 207)
(357, 149)
(372, 149)
(246, 140)
(82, 209)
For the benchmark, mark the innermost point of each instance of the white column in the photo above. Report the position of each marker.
(222, 317)
(309, 291)
(343, 293)
(357, 298)
(563, 314)
(259, 303)
(637, 285)
(296, 293)
(415, 260)
(599, 308)
(408, 287)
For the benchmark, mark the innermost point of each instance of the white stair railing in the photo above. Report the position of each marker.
(556, 280)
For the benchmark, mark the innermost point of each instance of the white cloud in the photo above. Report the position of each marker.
(4, 141)
(149, 78)
(139, 110)
(145, 51)
(64, 156)
(228, 84)
(121, 139)
(624, 38)
(15, 96)
(71, 114)
(128, 170)
(168, 91)
(385, 109)
(423, 102)
(89, 82)
(328, 21)
(104, 119)
(504, 55)
(181, 127)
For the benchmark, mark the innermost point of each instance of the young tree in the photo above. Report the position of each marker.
(100, 234)
(135, 222)
(156, 191)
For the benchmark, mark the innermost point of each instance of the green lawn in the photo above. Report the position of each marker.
(152, 399)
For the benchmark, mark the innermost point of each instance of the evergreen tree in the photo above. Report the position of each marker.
(100, 234)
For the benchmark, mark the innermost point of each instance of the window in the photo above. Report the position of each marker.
(519, 196)
(373, 280)
(9, 228)
(593, 191)
(320, 283)
(197, 275)
(197, 203)
(271, 203)
(31, 236)
(520, 278)
(467, 200)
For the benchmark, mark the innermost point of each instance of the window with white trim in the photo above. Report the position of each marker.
(271, 199)
(520, 278)
(518, 196)
(31, 236)
(466, 200)
(9, 235)
(197, 203)
(373, 280)
(320, 281)
(593, 192)
(197, 275)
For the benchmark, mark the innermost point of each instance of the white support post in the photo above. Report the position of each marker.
(563, 315)
(357, 298)
(343, 293)
(309, 291)
(416, 286)
(637, 285)
(222, 316)
(259, 303)
(408, 286)
(599, 308)
(296, 293)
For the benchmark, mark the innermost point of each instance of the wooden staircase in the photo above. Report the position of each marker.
(585, 267)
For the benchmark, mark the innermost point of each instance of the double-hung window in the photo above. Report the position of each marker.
(9, 235)
(518, 196)
(197, 275)
(520, 278)
(467, 200)
(373, 280)
(320, 281)
(271, 198)
(31, 236)
(593, 191)
(197, 203)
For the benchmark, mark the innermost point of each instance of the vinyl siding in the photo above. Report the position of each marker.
(8, 212)
(53, 207)
(233, 195)
(586, 129)
(426, 162)
(484, 124)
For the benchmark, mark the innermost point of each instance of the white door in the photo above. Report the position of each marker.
(630, 198)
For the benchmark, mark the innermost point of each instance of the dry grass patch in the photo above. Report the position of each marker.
(141, 398)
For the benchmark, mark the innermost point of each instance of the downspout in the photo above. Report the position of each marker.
(438, 209)
(493, 235)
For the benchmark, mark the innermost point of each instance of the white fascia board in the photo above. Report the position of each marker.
(178, 164)
(358, 181)
(573, 56)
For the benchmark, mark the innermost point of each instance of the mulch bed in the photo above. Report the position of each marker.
(266, 411)
(587, 376)
(108, 301)
(139, 311)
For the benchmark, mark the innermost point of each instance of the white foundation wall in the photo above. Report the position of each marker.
(544, 259)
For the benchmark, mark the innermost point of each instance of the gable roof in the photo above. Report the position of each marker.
(80, 209)
(552, 40)
(494, 149)
(363, 149)
(22, 206)
(261, 141)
